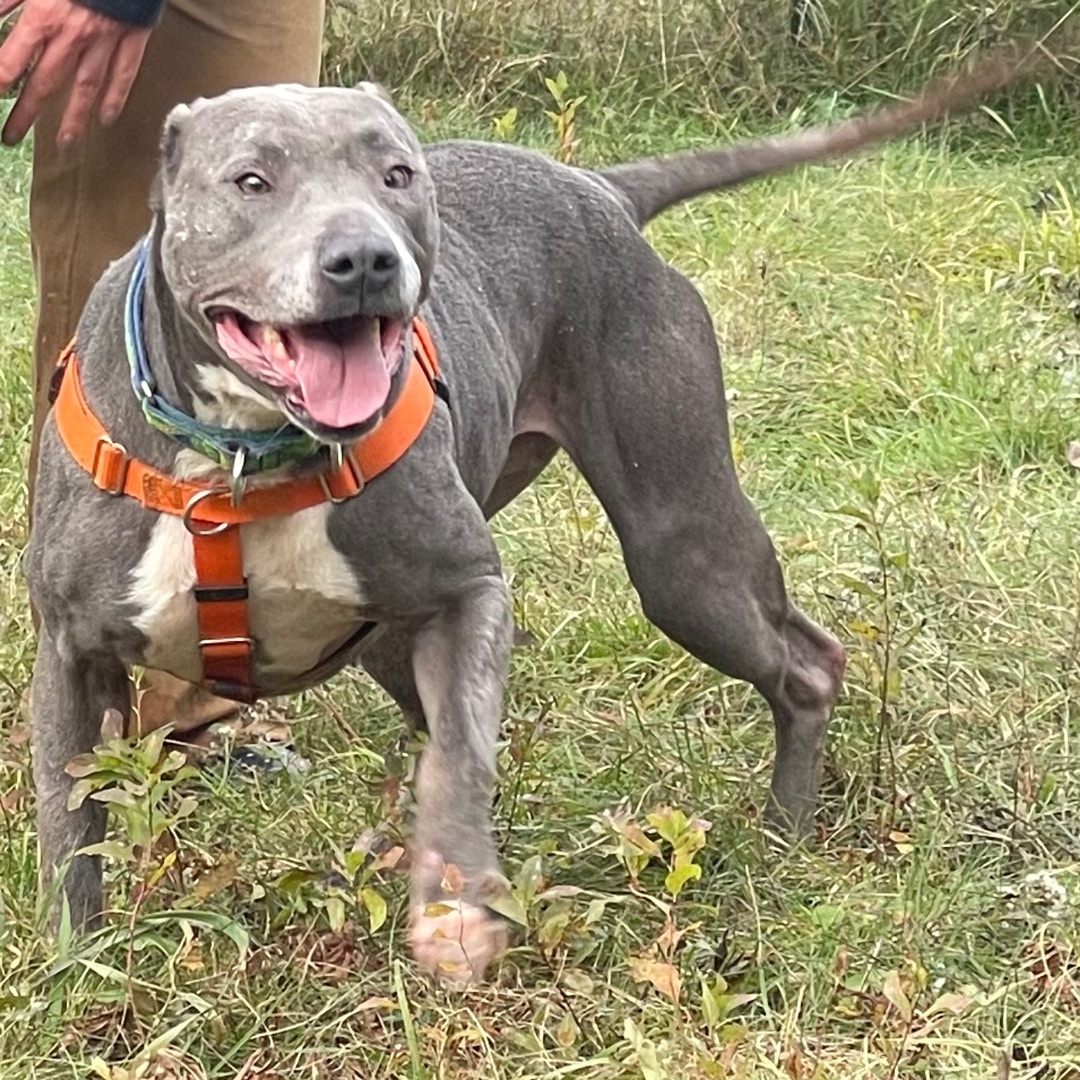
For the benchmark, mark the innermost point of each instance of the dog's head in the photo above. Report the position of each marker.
(298, 232)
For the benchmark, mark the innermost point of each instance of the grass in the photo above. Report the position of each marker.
(729, 59)
(902, 358)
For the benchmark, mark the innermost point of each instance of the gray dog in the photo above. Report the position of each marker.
(294, 241)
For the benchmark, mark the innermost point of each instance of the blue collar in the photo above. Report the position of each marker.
(242, 453)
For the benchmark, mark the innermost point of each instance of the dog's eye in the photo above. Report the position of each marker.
(252, 184)
(400, 176)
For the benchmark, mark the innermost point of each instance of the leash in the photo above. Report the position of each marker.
(213, 512)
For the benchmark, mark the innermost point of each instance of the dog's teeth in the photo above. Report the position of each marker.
(274, 347)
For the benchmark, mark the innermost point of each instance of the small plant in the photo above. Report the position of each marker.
(506, 125)
(876, 626)
(351, 885)
(563, 117)
(675, 841)
(138, 782)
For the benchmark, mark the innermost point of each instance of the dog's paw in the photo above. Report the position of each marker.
(455, 940)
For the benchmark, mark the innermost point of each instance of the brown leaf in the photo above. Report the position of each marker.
(389, 860)
(894, 994)
(843, 959)
(376, 1003)
(793, 1064)
(1054, 973)
(664, 977)
(953, 1003)
(217, 877)
(669, 938)
(11, 800)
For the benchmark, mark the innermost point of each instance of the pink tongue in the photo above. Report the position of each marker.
(342, 383)
(339, 379)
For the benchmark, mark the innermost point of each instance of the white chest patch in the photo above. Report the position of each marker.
(302, 595)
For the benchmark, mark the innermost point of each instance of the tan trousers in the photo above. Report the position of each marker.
(89, 205)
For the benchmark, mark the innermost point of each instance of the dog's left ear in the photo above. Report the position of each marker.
(376, 90)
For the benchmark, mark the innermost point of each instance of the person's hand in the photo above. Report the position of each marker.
(58, 43)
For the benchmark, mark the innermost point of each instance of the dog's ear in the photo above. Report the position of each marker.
(376, 90)
(171, 137)
(169, 151)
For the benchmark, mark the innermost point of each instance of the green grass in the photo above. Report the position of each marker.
(904, 373)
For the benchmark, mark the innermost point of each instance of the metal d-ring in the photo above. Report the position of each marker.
(194, 501)
(337, 456)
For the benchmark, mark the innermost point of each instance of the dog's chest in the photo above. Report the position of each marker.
(303, 598)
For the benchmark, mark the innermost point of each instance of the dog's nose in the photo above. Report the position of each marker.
(355, 263)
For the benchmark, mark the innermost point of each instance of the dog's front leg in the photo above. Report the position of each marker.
(460, 657)
(70, 694)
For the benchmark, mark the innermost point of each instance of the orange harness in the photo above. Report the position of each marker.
(210, 515)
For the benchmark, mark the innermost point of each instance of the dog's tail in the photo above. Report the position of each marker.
(651, 185)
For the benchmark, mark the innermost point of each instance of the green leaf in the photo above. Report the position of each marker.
(669, 822)
(335, 912)
(82, 765)
(292, 880)
(376, 907)
(509, 907)
(855, 512)
(595, 912)
(115, 796)
(530, 878)
(109, 849)
(680, 876)
(150, 748)
(79, 792)
(826, 915)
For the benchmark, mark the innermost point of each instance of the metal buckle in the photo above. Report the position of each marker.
(339, 459)
(194, 501)
(118, 487)
(205, 642)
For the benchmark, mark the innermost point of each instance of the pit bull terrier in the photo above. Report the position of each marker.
(294, 407)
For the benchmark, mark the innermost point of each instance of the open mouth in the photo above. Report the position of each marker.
(335, 375)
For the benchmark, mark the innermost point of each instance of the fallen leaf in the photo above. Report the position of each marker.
(567, 1033)
(578, 982)
(894, 994)
(11, 800)
(902, 841)
(389, 860)
(217, 877)
(664, 977)
(376, 1003)
(953, 1003)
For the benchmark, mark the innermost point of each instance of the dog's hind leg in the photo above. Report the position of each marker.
(648, 430)
(70, 694)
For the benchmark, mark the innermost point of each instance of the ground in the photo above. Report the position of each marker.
(903, 369)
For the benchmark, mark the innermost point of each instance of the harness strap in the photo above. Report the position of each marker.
(207, 510)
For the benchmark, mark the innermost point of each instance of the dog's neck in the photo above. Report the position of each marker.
(190, 373)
